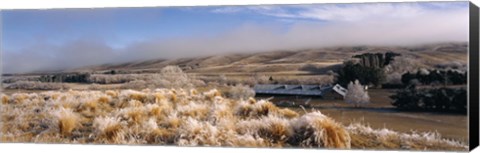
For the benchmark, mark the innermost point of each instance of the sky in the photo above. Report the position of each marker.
(56, 39)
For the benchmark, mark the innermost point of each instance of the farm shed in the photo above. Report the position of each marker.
(293, 90)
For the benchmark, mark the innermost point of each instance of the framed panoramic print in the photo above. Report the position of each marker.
(346, 76)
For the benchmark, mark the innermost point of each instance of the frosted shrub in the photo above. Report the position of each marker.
(261, 79)
(241, 92)
(424, 71)
(135, 84)
(356, 94)
(169, 77)
(35, 85)
(453, 65)
(399, 66)
(404, 64)
(176, 77)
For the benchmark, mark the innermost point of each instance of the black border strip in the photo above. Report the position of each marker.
(473, 78)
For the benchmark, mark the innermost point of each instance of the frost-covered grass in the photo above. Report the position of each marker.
(36, 85)
(186, 118)
(366, 137)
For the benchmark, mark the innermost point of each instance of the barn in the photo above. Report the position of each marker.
(323, 91)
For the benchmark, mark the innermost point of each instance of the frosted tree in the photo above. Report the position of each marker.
(241, 92)
(175, 77)
(261, 78)
(356, 94)
(399, 66)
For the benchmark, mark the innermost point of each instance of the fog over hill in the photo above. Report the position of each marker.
(291, 28)
(290, 60)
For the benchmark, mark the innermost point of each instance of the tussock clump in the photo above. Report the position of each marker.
(5, 99)
(156, 135)
(138, 96)
(172, 121)
(193, 92)
(317, 130)
(159, 97)
(252, 108)
(135, 103)
(264, 108)
(104, 99)
(198, 133)
(252, 100)
(154, 110)
(276, 129)
(194, 110)
(161, 136)
(109, 129)
(173, 96)
(89, 106)
(19, 97)
(247, 141)
(288, 113)
(221, 110)
(133, 115)
(210, 95)
(67, 121)
(111, 93)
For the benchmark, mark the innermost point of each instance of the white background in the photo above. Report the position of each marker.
(70, 148)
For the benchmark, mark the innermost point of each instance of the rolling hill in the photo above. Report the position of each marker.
(291, 61)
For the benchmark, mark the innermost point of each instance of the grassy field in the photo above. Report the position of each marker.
(378, 114)
(192, 118)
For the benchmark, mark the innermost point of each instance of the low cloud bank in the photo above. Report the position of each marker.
(373, 24)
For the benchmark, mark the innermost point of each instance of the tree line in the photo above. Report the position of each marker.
(430, 77)
(70, 78)
(437, 99)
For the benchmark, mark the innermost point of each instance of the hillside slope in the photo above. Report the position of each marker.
(291, 61)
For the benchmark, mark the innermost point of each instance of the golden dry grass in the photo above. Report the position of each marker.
(364, 137)
(187, 118)
(4, 99)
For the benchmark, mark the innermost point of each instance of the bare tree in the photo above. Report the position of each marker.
(356, 94)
